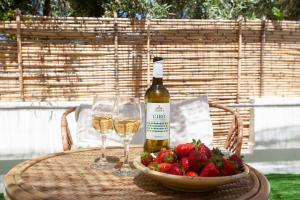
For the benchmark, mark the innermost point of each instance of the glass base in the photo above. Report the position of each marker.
(124, 171)
(102, 165)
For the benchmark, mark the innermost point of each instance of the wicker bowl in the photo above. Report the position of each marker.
(188, 184)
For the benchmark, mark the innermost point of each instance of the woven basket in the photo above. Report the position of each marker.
(233, 142)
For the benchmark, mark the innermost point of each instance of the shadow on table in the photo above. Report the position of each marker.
(149, 185)
(112, 159)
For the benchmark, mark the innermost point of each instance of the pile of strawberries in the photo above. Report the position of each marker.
(193, 159)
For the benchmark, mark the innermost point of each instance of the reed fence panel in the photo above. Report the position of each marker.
(49, 58)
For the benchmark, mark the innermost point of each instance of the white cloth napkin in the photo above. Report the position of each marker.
(190, 119)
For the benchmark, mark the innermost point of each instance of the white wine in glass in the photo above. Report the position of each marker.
(127, 127)
(102, 111)
(127, 121)
(102, 124)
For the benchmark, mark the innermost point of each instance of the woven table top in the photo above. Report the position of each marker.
(68, 176)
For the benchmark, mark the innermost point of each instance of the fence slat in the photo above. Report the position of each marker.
(148, 51)
(262, 57)
(239, 70)
(19, 46)
(116, 53)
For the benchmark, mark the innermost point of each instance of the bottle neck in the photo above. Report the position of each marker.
(157, 73)
(157, 81)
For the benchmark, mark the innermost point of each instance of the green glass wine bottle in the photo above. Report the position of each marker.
(157, 108)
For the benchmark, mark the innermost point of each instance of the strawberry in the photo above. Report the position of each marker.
(146, 158)
(227, 167)
(154, 166)
(204, 149)
(209, 170)
(237, 161)
(191, 173)
(165, 167)
(166, 156)
(160, 167)
(223, 165)
(185, 163)
(197, 160)
(183, 150)
(176, 169)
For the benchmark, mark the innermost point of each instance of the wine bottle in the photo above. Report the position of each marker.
(157, 108)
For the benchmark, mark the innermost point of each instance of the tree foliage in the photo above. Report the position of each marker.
(89, 8)
(137, 9)
(233, 9)
(193, 9)
(34, 7)
(6, 9)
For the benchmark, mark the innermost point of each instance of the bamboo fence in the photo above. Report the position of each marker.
(50, 58)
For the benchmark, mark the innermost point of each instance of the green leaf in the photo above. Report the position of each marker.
(278, 13)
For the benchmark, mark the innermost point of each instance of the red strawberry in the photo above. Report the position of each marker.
(204, 149)
(185, 163)
(183, 150)
(165, 167)
(197, 159)
(176, 169)
(237, 161)
(146, 158)
(154, 166)
(166, 156)
(191, 173)
(227, 168)
(209, 170)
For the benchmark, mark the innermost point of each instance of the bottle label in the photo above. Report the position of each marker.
(158, 69)
(157, 121)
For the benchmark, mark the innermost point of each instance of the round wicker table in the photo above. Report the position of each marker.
(68, 176)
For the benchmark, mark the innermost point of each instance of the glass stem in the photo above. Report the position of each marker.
(126, 148)
(103, 148)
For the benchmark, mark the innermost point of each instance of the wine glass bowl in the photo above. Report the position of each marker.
(102, 123)
(102, 113)
(126, 121)
(126, 127)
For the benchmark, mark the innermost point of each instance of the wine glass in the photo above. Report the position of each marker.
(127, 121)
(102, 111)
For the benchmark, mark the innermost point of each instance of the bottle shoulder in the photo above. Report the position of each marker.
(157, 94)
(157, 90)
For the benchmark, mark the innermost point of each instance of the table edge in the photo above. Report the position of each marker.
(264, 183)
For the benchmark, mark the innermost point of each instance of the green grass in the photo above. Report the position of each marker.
(283, 187)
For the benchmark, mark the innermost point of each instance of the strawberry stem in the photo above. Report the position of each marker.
(196, 143)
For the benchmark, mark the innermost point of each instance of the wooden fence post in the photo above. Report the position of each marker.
(262, 56)
(19, 47)
(148, 52)
(239, 69)
(116, 56)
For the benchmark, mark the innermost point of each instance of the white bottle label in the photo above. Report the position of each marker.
(157, 121)
(158, 69)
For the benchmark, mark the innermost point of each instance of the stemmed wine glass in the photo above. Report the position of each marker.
(127, 121)
(102, 111)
